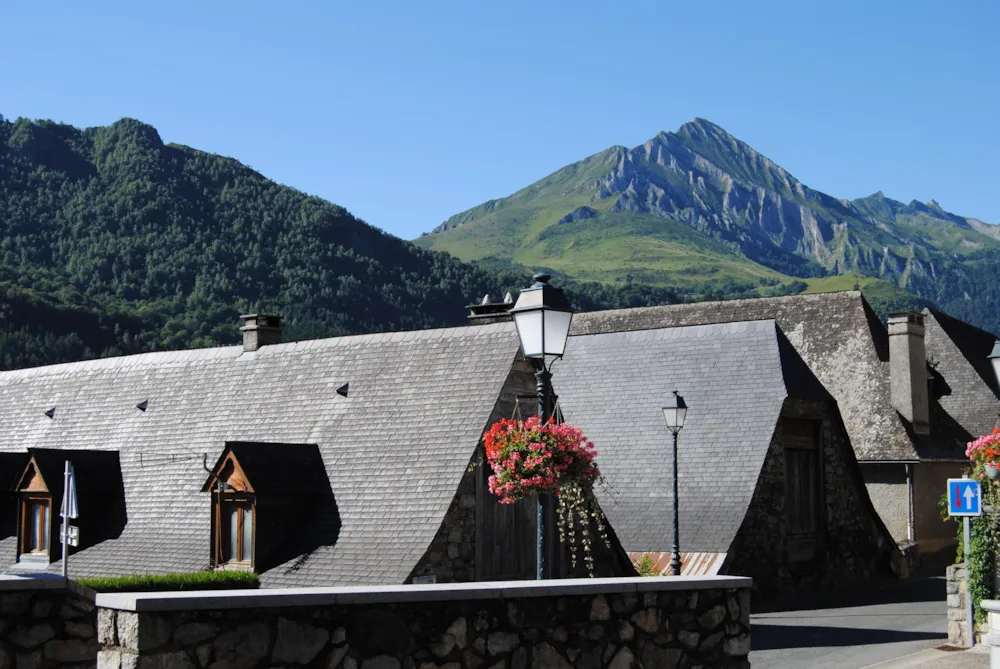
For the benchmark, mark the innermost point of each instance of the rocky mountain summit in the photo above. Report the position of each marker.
(749, 216)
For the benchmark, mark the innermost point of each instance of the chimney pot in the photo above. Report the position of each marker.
(489, 312)
(260, 330)
(908, 369)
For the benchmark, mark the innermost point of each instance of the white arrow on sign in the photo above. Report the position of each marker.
(969, 496)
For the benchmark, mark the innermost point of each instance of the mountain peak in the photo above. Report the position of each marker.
(702, 126)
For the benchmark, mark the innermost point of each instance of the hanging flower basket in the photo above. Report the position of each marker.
(529, 458)
(985, 454)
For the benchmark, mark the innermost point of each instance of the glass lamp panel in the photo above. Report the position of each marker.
(670, 416)
(996, 363)
(247, 533)
(681, 415)
(530, 332)
(556, 331)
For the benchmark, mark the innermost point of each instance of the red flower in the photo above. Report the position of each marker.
(528, 458)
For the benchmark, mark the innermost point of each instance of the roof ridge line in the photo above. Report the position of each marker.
(212, 352)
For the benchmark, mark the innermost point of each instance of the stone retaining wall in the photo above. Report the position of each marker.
(45, 623)
(955, 584)
(590, 623)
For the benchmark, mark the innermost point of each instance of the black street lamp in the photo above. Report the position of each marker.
(674, 412)
(542, 315)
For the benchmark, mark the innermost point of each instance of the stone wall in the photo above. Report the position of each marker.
(451, 556)
(46, 624)
(955, 583)
(886, 484)
(852, 544)
(589, 623)
(933, 533)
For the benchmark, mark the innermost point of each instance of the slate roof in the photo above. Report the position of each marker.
(96, 472)
(279, 468)
(99, 488)
(965, 384)
(11, 467)
(395, 449)
(613, 385)
(845, 345)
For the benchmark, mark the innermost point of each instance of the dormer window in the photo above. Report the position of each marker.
(237, 516)
(261, 494)
(39, 489)
(36, 514)
(35, 517)
(232, 514)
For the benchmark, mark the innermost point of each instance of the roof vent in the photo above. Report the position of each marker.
(143, 405)
(342, 391)
(51, 413)
(260, 330)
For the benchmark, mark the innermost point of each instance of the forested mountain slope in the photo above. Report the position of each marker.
(113, 242)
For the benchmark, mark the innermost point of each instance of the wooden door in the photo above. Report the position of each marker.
(505, 535)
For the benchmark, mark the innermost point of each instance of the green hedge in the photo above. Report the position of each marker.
(981, 566)
(202, 580)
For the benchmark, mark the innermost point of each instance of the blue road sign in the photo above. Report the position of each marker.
(963, 498)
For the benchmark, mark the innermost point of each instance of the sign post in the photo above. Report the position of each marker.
(69, 510)
(965, 501)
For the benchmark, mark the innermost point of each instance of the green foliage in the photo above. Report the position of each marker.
(202, 580)
(646, 566)
(980, 562)
(984, 535)
(113, 243)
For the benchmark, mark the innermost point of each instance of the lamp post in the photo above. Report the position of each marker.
(542, 315)
(674, 412)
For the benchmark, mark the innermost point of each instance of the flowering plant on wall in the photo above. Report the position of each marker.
(985, 453)
(530, 458)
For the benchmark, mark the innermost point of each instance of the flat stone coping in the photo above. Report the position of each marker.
(990, 605)
(31, 582)
(386, 594)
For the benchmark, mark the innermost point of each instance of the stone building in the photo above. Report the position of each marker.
(358, 459)
(911, 393)
(769, 485)
(325, 462)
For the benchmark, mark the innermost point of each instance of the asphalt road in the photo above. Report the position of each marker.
(850, 630)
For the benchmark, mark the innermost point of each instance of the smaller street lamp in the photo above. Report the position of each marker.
(674, 412)
(542, 315)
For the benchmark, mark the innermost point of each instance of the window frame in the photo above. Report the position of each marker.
(28, 500)
(223, 502)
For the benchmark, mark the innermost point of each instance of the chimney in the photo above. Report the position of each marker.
(260, 330)
(490, 312)
(908, 369)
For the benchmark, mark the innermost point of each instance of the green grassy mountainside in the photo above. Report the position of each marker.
(112, 242)
(702, 212)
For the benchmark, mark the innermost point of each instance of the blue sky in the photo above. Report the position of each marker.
(408, 112)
